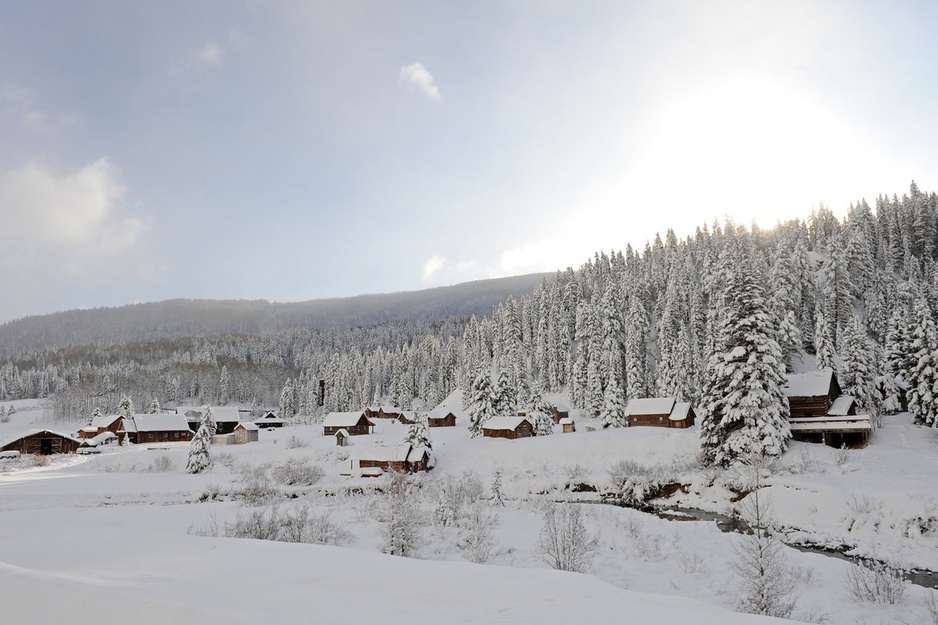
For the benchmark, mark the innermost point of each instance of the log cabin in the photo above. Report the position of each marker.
(811, 394)
(356, 423)
(664, 412)
(43, 442)
(507, 427)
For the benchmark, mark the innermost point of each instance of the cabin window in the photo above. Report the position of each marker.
(660, 419)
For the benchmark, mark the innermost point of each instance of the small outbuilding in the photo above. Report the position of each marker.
(355, 423)
(401, 458)
(507, 427)
(43, 442)
(341, 437)
(847, 431)
(441, 418)
(245, 432)
(567, 424)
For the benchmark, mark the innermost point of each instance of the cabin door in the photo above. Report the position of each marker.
(45, 446)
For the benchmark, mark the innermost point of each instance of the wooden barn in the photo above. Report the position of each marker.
(401, 458)
(664, 412)
(355, 423)
(441, 418)
(160, 428)
(811, 394)
(44, 442)
(507, 427)
(245, 433)
(567, 424)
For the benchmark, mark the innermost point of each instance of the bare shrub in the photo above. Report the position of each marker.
(257, 492)
(295, 472)
(564, 542)
(260, 524)
(478, 543)
(295, 442)
(302, 526)
(875, 582)
(162, 464)
(209, 530)
(454, 494)
(402, 518)
(35, 460)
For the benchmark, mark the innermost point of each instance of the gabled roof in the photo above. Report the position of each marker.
(97, 440)
(440, 413)
(650, 406)
(840, 407)
(104, 421)
(810, 384)
(167, 422)
(503, 423)
(680, 411)
(247, 425)
(344, 419)
(39, 431)
(383, 453)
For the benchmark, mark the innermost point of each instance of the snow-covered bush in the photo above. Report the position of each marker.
(634, 484)
(875, 582)
(564, 542)
(454, 494)
(402, 518)
(295, 442)
(297, 526)
(295, 472)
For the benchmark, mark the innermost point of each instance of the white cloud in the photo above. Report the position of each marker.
(417, 74)
(210, 55)
(431, 267)
(70, 221)
(21, 103)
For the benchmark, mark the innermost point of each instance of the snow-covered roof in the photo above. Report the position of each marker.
(840, 407)
(104, 421)
(219, 413)
(39, 431)
(680, 410)
(383, 453)
(344, 419)
(417, 453)
(503, 423)
(649, 405)
(561, 407)
(100, 438)
(269, 418)
(853, 423)
(247, 425)
(167, 422)
(566, 421)
(440, 413)
(342, 432)
(810, 384)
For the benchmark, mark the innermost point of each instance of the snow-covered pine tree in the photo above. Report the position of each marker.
(504, 392)
(923, 377)
(418, 432)
(126, 408)
(540, 413)
(857, 377)
(636, 326)
(224, 387)
(823, 342)
(155, 407)
(200, 448)
(745, 412)
(288, 401)
(613, 412)
(209, 421)
(481, 404)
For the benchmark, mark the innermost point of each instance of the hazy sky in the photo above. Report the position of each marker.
(297, 150)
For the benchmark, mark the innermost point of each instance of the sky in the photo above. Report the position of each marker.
(298, 150)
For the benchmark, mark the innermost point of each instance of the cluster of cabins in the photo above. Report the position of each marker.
(234, 426)
(819, 413)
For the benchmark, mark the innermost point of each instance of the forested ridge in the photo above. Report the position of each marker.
(858, 294)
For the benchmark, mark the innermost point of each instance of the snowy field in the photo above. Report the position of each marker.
(127, 535)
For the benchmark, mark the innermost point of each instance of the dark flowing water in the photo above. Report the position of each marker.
(928, 579)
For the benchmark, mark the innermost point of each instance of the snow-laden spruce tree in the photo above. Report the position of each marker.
(288, 401)
(418, 432)
(923, 377)
(200, 448)
(539, 412)
(481, 402)
(857, 377)
(155, 407)
(209, 420)
(126, 408)
(613, 412)
(823, 342)
(745, 412)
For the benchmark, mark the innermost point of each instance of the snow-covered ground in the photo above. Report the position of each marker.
(128, 535)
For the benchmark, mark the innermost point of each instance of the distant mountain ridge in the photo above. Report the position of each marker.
(196, 317)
